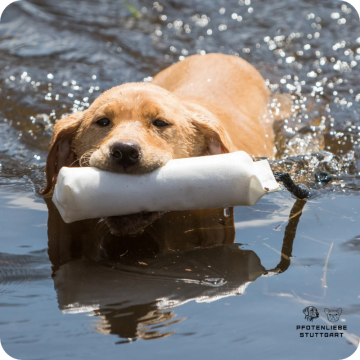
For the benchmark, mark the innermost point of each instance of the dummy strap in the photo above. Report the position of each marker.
(300, 191)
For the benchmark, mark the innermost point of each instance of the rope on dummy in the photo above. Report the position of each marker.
(300, 191)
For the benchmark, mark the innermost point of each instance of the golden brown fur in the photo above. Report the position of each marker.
(211, 104)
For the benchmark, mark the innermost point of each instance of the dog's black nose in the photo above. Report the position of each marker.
(125, 153)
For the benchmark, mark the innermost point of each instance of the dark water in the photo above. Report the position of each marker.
(196, 284)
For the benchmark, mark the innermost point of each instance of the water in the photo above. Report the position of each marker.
(212, 283)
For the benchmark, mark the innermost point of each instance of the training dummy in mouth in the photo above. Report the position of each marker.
(183, 184)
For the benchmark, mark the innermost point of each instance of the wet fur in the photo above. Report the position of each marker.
(214, 104)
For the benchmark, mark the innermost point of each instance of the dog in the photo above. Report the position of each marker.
(311, 313)
(205, 105)
(333, 315)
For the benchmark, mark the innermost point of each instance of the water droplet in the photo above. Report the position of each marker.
(227, 212)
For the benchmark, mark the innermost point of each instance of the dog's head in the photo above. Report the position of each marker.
(311, 313)
(333, 315)
(133, 128)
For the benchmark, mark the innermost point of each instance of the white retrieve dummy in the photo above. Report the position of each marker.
(183, 184)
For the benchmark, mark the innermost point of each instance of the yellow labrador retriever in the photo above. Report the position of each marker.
(204, 105)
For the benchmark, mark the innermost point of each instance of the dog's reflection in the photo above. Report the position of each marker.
(132, 283)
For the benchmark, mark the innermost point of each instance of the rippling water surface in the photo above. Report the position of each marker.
(198, 284)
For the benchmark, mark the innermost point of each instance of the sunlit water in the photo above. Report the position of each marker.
(190, 298)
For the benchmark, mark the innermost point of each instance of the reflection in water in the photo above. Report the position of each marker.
(137, 281)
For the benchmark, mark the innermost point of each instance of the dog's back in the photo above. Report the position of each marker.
(231, 90)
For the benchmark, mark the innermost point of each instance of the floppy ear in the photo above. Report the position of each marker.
(60, 153)
(339, 311)
(217, 140)
(326, 311)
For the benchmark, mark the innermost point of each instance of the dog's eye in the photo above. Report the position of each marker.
(160, 123)
(103, 122)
